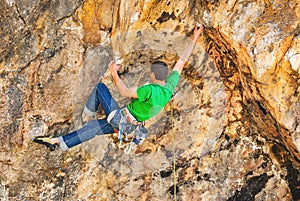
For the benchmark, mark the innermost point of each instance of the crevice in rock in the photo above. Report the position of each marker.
(60, 128)
(253, 186)
(292, 168)
(72, 13)
(19, 14)
(165, 17)
(173, 189)
(255, 114)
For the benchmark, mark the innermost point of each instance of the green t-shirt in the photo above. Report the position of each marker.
(152, 98)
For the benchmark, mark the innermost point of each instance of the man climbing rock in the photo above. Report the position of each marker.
(147, 101)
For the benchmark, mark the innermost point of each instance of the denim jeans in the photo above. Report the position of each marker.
(99, 96)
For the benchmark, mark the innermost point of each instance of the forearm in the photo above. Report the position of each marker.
(188, 51)
(185, 56)
(120, 84)
(123, 89)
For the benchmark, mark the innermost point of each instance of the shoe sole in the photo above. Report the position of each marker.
(52, 147)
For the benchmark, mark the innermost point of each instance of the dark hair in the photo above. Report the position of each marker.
(160, 70)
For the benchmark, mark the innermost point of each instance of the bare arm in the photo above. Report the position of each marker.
(123, 89)
(189, 49)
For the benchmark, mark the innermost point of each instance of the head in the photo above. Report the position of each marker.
(159, 70)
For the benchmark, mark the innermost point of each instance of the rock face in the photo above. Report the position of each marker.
(232, 131)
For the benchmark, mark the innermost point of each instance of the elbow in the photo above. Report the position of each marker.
(130, 93)
(125, 93)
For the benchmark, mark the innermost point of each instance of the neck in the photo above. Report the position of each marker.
(163, 83)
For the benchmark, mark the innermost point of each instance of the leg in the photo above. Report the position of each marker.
(100, 96)
(87, 132)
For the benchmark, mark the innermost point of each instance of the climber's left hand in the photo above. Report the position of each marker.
(197, 31)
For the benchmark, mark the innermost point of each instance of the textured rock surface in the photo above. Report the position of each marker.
(236, 125)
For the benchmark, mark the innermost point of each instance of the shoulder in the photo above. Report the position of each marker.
(145, 87)
(144, 92)
(172, 80)
(174, 76)
(175, 73)
(149, 88)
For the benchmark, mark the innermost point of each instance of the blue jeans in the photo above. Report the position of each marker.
(99, 96)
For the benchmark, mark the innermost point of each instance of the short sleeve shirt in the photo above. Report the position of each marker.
(152, 98)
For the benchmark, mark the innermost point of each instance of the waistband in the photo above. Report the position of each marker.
(130, 118)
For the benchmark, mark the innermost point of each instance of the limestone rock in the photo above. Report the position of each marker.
(233, 126)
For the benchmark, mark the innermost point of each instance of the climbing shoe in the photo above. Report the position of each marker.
(46, 141)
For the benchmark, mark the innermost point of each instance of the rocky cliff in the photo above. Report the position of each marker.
(232, 131)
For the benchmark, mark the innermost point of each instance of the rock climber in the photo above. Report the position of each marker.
(148, 100)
